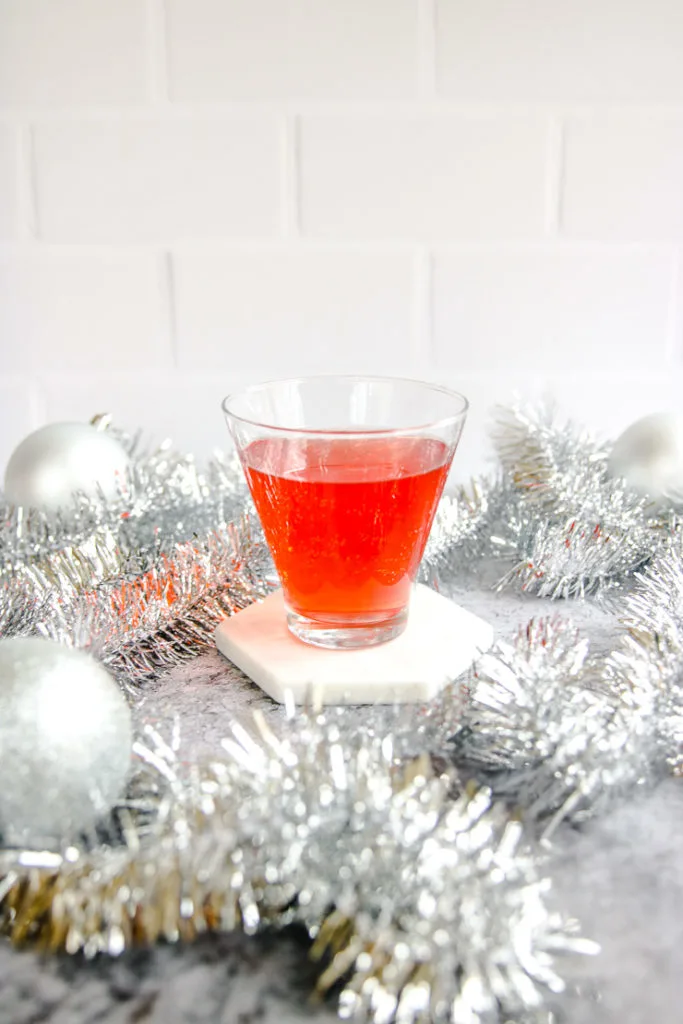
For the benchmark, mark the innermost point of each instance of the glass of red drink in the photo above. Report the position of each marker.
(346, 474)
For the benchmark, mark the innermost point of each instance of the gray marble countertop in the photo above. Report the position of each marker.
(622, 876)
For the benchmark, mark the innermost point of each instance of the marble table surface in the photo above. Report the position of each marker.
(622, 876)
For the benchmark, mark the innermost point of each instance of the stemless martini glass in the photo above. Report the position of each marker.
(346, 474)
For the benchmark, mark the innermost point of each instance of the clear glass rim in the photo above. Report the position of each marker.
(442, 421)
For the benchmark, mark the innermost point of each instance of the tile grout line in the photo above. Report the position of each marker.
(554, 176)
(674, 338)
(426, 102)
(157, 54)
(290, 214)
(426, 49)
(422, 333)
(170, 318)
(27, 194)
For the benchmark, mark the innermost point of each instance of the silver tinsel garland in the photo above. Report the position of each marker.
(555, 730)
(460, 524)
(142, 626)
(564, 526)
(652, 613)
(143, 580)
(575, 531)
(165, 500)
(423, 897)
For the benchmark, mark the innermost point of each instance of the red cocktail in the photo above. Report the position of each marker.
(346, 512)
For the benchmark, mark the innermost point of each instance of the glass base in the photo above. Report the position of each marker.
(346, 636)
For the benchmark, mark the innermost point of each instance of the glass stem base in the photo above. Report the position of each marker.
(346, 636)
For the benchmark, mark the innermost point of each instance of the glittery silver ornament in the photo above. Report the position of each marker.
(60, 459)
(65, 741)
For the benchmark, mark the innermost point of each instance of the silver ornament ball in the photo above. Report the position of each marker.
(54, 462)
(649, 456)
(65, 741)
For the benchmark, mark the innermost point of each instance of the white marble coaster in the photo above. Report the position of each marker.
(440, 641)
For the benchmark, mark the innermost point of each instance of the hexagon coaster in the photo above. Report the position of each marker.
(440, 641)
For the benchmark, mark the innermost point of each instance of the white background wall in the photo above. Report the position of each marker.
(196, 194)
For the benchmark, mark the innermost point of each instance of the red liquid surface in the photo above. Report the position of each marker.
(347, 520)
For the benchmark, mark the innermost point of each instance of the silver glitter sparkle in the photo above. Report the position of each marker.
(65, 741)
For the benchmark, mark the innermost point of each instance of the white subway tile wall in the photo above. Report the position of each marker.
(8, 181)
(552, 308)
(81, 310)
(72, 54)
(291, 49)
(286, 312)
(639, 190)
(196, 194)
(157, 180)
(422, 176)
(560, 51)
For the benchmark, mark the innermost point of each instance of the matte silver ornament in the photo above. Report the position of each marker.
(60, 459)
(65, 741)
(649, 456)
